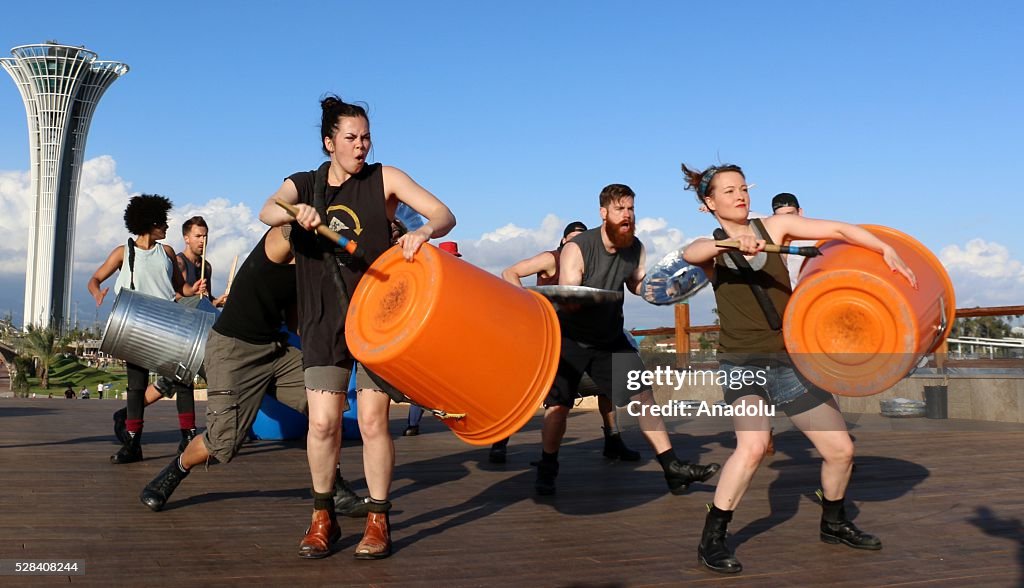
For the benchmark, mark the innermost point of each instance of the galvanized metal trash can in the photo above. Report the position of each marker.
(157, 334)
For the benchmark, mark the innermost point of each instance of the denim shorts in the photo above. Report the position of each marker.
(774, 380)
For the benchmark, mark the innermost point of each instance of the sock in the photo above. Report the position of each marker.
(667, 458)
(134, 426)
(548, 457)
(323, 501)
(608, 432)
(186, 420)
(181, 468)
(832, 511)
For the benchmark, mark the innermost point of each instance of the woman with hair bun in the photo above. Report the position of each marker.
(751, 342)
(146, 266)
(346, 193)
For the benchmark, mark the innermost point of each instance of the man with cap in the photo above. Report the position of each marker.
(545, 266)
(786, 203)
(415, 412)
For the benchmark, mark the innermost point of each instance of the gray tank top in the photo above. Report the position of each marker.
(152, 272)
(600, 325)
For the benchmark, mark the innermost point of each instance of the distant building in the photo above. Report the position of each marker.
(60, 86)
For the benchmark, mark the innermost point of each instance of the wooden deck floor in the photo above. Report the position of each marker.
(944, 496)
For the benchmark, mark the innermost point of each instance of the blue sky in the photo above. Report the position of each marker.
(906, 114)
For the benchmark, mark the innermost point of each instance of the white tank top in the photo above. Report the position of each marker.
(152, 272)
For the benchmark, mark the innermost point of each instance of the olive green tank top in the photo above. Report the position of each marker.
(744, 326)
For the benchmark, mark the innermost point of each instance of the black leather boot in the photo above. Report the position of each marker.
(187, 435)
(680, 474)
(499, 452)
(547, 471)
(346, 502)
(131, 451)
(836, 528)
(120, 429)
(713, 552)
(160, 488)
(615, 448)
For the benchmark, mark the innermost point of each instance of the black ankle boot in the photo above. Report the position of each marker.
(713, 552)
(346, 502)
(615, 448)
(120, 428)
(547, 471)
(680, 474)
(131, 451)
(836, 528)
(160, 488)
(499, 452)
(187, 435)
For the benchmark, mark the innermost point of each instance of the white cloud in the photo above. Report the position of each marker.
(102, 196)
(983, 273)
(982, 258)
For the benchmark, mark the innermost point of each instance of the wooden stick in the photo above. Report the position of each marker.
(231, 275)
(773, 248)
(202, 261)
(348, 244)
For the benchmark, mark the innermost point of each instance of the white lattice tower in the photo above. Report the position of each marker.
(60, 86)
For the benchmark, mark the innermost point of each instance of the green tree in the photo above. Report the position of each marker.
(41, 345)
(19, 370)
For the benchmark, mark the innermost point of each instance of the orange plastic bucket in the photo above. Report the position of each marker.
(854, 327)
(453, 337)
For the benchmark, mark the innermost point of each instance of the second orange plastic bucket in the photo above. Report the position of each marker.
(453, 337)
(855, 328)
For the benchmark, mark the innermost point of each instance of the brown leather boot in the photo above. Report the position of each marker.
(323, 532)
(376, 543)
(770, 449)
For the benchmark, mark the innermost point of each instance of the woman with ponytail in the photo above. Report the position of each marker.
(749, 287)
(346, 193)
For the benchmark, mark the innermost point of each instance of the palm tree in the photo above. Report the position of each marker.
(42, 345)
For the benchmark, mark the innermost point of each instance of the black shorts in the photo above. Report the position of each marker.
(608, 367)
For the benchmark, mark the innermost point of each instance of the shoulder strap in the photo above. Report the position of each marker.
(131, 261)
(328, 253)
(770, 313)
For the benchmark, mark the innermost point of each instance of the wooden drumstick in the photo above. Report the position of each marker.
(231, 275)
(346, 243)
(773, 248)
(202, 261)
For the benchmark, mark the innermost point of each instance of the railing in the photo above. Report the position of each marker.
(683, 328)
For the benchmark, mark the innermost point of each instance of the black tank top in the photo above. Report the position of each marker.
(600, 325)
(356, 210)
(744, 326)
(553, 280)
(192, 270)
(260, 294)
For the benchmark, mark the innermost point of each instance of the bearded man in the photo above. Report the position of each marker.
(593, 342)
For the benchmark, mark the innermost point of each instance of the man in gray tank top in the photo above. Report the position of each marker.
(545, 266)
(608, 257)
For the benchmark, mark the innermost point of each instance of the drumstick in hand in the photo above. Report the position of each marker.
(202, 260)
(346, 243)
(773, 248)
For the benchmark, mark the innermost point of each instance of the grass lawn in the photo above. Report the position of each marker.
(69, 372)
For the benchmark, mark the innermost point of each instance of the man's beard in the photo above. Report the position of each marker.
(619, 239)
